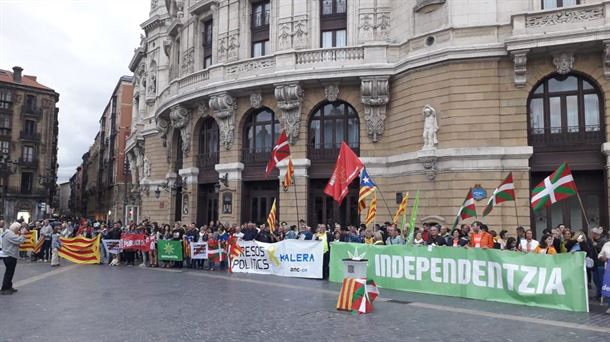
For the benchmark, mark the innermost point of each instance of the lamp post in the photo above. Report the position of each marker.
(7, 168)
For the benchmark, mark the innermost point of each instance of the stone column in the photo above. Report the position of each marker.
(190, 191)
(234, 190)
(288, 205)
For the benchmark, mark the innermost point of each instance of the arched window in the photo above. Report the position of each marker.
(330, 124)
(261, 131)
(208, 144)
(563, 110)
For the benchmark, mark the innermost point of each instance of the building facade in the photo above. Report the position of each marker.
(433, 95)
(64, 199)
(28, 146)
(100, 186)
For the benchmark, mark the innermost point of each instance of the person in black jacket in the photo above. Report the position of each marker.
(434, 239)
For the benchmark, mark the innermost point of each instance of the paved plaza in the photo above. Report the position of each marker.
(102, 303)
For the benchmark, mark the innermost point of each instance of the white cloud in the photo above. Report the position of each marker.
(80, 48)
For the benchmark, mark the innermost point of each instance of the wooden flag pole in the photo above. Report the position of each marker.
(584, 214)
(296, 202)
(516, 213)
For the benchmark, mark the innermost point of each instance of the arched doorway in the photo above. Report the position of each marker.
(330, 124)
(566, 123)
(261, 130)
(207, 158)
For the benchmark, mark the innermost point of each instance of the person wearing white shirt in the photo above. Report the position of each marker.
(604, 255)
(528, 245)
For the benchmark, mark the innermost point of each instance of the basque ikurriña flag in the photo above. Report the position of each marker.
(280, 151)
(347, 168)
(554, 188)
(504, 192)
(467, 209)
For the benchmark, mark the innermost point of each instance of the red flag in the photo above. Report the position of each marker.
(280, 151)
(347, 168)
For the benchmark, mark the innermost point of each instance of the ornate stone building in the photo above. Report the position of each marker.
(433, 95)
(28, 146)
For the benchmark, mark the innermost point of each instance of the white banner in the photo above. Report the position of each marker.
(199, 250)
(112, 246)
(288, 258)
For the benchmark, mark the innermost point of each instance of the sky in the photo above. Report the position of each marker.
(80, 48)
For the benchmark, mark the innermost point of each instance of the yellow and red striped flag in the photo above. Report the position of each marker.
(372, 212)
(347, 294)
(38, 246)
(80, 250)
(288, 178)
(272, 218)
(30, 241)
(402, 208)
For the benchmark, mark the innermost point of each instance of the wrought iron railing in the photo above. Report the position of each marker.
(559, 136)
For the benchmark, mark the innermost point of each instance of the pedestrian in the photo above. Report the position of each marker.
(11, 239)
(46, 231)
(55, 246)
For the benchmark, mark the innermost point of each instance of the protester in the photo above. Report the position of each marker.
(456, 239)
(434, 239)
(418, 240)
(394, 237)
(324, 236)
(528, 244)
(604, 256)
(378, 239)
(479, 238)
(597, 243)
(11, 239)
(545, 246)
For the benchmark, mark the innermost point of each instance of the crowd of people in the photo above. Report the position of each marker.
(560, 239)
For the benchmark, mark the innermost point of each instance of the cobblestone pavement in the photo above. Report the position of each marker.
(102, 303)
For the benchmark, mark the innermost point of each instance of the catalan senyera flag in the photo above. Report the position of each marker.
(367, 187)
(31, 238)
(38, 248)
(346, 296)
(402, 208)
(272, 218)
(554, 188)
(503, 193)
(372, 212)
(81, 250)
(289, 176)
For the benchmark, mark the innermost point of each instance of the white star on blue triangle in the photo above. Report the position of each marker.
(366, 180)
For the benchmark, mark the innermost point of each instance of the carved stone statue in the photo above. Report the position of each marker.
(146, 167)
(223, 107)
(180, 118)
(430, 128)
(289, 99)
(152, 84)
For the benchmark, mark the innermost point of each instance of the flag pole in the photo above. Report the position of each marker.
(516, 213)
(584, 214)
(384, 202)
(296, 202)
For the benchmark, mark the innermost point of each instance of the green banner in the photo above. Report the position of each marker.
(551, 281)
(169, 250)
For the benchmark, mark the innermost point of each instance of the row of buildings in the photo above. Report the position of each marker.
(98, 189)
(433, 95)
(28, 146)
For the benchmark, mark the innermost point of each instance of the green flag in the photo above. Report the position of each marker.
(169, 250)
(413, 218)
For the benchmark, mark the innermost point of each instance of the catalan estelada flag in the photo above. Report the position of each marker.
(81, 250)
(30, 241)
(346, 296)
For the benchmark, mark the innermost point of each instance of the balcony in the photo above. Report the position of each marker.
(29, 136)
(326, 152)
(28, 163)
(342, 55)
(256, 155)
(207, 160)
(557, 136)
(31, 111)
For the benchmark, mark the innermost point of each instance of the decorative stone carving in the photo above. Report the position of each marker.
(430, 128)
(299, 34)
(382, 26)
(331, 91)
(180, 118)
(606, 58)
(289, 99)
(146, 167)
(284, 37)
(223, 107)
(566, 16)
(375, 96)
(520, 67)
(365, 28)
(188, 61)
(153, 4)
(180, 8)
(429, 163)
(564, 62)
(167, 46)
(250, 66)
(203, 110)
(256, 100)
(131, 160)
(233, 46)
(163, 128)
(222, 49)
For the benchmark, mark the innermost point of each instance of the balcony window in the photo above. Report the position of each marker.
(207, 43)
(260, 29)
(5, 148)
(261, 131)
(550, 4)
(6, 100)
(27, 154)
(330, 125)
(30, 103)
(565, 109)
(333, 23)
(30, 127)
(208, 144)
(26, 182)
